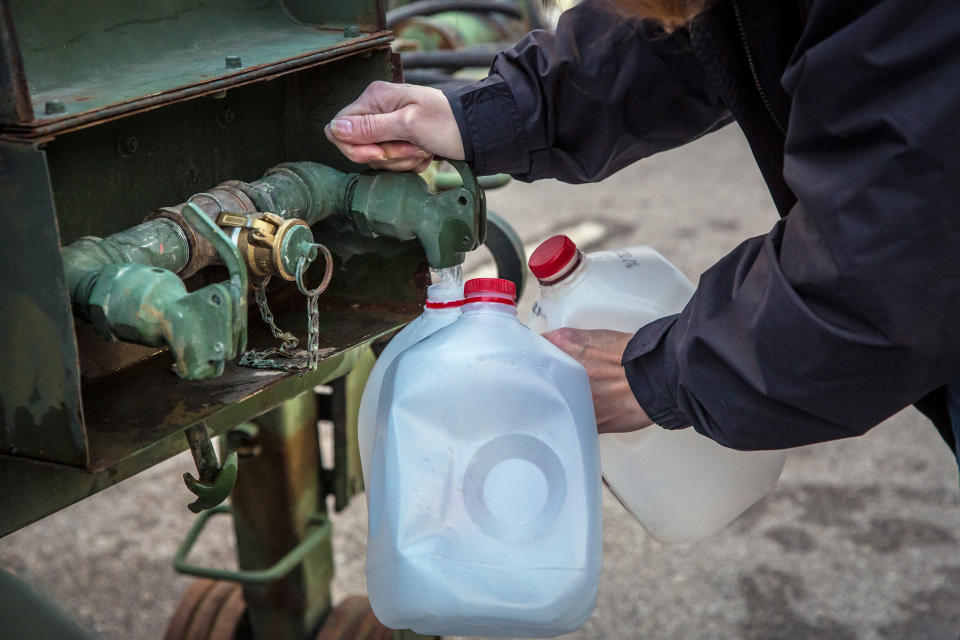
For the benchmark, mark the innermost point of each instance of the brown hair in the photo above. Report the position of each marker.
(671, 13)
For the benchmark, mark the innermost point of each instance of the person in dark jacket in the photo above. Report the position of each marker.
(849, 308)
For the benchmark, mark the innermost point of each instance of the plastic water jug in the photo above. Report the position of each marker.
(484, 495)
(680, 485)
(442, 308)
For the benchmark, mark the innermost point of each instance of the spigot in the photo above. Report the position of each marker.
(147, 305)
(401, 206)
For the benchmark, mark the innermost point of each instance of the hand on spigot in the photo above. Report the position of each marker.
(600, 351)
(399, 127)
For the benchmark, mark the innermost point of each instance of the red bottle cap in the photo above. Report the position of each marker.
(478, 286)
(551, 257)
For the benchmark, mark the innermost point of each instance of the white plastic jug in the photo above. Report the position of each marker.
(680, 485)
(442, 308)
(484, 495)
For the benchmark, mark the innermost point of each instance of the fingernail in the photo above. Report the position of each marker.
(342, 126)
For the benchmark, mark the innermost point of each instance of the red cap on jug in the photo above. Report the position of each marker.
(552, 256)
(489, 285)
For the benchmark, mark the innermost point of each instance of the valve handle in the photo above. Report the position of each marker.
(234, 262)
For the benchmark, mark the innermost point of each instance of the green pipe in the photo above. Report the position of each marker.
(306, 190)
(156, 243)
(393, 205)
(381, 203)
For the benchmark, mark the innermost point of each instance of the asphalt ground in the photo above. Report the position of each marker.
(859, 540)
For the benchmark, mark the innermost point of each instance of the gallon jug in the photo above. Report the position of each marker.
(442, 308)
(680, 485)
(484, 496)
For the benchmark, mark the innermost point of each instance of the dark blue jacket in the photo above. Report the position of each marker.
(848, 309)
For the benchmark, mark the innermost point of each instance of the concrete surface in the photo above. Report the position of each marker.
(859, 540)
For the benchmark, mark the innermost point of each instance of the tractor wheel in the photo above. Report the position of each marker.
(353, 619)
(208, 610)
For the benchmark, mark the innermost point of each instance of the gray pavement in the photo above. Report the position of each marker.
(859, 540)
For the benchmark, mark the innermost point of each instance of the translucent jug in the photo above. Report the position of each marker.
(442, 307)
(484, 495)
(680, 485)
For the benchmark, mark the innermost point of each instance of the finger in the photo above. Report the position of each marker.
(402, 164)
(399, 150)
(567, 339)
(370, 127)
(361, 154)
(416, 164)
(423, 166)
(381, 97)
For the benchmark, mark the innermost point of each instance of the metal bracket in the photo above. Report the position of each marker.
(232, 260)
(321, 530)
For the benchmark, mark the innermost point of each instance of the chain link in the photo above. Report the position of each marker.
(288, 357)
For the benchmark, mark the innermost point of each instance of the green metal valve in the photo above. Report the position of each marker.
(126, 286)
(149, 305)
(401, 206)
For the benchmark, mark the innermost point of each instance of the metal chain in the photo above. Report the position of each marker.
(288, 357)
(288, 341)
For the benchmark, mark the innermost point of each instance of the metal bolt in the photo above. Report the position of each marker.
(54, 106)
(127, 145)
(234, 62)
(227, 115)
(351, 31)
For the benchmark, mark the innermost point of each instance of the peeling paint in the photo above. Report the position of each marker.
(45, 390)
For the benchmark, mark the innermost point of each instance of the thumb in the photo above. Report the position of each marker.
(369, 128)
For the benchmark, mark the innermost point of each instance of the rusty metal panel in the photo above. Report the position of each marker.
(88, 62)
(136, 420)
(14, 96)
(139, 162)
(39, 379)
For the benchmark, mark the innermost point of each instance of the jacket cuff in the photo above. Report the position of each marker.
(650, 363)
(490, 126)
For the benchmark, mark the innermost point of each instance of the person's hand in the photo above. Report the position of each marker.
(600, 351)
(399, 127)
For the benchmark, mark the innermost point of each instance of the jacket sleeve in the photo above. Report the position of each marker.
(585, 101)
(849, 309)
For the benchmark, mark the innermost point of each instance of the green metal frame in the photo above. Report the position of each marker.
(321, 530)
(82, 65)
(198, 143)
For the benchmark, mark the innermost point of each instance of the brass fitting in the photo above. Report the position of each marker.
(265, 241)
